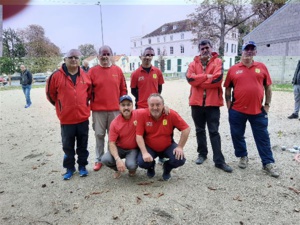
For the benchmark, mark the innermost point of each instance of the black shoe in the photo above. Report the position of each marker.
(200, 160)
(151, 172)
(224, 167)
(293, 116)
(166, 174)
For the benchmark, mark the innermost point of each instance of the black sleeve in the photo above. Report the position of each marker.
(134, 92)
(29, 76)
(159, 89)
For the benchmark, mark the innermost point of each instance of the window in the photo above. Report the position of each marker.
(171, 50)
(169, 64)
(156, 63)
(158, 40)
(171, 37)
(164, 38)
(163, 29)
(174, 27)
(232, 48)
(181, 49)
(141, 42)
(158, 51)
(226, 50)
(182, 35)
(149, 41)
(134, 44)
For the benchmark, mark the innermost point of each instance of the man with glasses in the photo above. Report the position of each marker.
(246, 84)
(69, 90)
(205, 75)
(108, 85)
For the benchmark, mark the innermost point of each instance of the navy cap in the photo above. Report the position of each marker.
(247, 44)
(125, 97)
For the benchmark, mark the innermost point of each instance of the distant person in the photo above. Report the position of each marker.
(205, 75)
(85, 66)
(146, 79)
(108, 85)
(246, 83)
(154, 136)
(26, 81)
(296, 83)
(122, 140)
(69, 90)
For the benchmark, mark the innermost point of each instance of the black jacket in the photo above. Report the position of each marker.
(26, 77)
(296, 78)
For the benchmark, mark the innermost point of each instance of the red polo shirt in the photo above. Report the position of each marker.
(248, 86)
(158, 134)
(146, 83)
(123, 133)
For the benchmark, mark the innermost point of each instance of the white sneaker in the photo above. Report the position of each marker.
(271, 170)
(243, 162)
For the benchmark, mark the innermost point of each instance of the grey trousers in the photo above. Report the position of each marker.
(297, 98)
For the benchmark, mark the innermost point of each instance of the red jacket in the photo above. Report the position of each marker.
(71, 101)
(201, 85)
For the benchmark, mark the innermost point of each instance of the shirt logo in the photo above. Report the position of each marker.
(154, 76)
(257, 70)
(115, 75)
(141, 78)
(165, 122)
(239, 72)
(135, 122)
(149, 124)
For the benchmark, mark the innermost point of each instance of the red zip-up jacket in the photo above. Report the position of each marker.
(202, 86)
(71, 101)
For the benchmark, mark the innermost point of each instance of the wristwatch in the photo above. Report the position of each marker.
(267, 104)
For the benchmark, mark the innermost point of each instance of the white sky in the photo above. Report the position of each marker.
(70, 23)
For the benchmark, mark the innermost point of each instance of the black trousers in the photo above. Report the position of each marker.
(69, 134)
(209, 115)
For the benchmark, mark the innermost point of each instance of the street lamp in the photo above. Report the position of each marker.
(101, 22)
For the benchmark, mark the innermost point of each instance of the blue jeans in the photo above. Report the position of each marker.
(297, 98)
(26, 91)
(259, 126)
(167, 153)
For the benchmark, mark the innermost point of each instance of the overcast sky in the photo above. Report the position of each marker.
(70, 23)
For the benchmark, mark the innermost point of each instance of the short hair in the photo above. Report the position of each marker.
(148, 48)
(156, 95)
(204, 42)
(105, 46)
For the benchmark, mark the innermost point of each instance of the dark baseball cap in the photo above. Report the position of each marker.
(247, 44)
(125, 97)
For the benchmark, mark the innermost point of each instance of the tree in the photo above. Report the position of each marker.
(265, 8)
(214, 19)
(87, 50)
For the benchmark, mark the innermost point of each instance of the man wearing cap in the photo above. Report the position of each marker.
(69, 90)
(154, 136)
(122, 143)
(296, 83)
(205, 75)
(246, 83)
(108, 85)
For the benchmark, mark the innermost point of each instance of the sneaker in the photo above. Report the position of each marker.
(82, 171)
(151, 172)
(132, 173)
(271, 170)
(224, 167)
(69, 174)
(166, 174)
(293, 116)
(97, 166)
(27, 106)
(200, 159)
(243, 162)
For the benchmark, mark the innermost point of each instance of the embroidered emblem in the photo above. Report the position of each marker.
(154, 76)
(165, 122)
(135, 122)
(149, 124)
(141, 78)
(257, 70)
(239, 72)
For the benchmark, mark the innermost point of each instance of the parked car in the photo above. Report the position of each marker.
(3, 81)
(15, 76)
(39, 77)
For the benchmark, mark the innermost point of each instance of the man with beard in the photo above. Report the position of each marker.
(246, 83)
(108, 85)
(205, 75)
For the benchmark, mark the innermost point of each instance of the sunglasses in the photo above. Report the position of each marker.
(105, 54)
(150, 55)
(75, 57)
(205, 48)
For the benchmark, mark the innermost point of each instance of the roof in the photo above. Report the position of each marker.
(170, 28)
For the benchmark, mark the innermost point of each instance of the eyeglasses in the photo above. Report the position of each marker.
(105, 54)
(75, 57)
(205, 48)
(149, 55)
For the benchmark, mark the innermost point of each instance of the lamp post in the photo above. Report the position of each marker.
(101, 22)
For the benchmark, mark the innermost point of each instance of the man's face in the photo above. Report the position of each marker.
(156, 106)
(22, 68)
(147, 58)
(104, 57)
(126, 108)
(205, 51)
(249, 52)
(73, 60)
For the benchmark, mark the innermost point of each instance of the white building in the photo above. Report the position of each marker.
(174, 43)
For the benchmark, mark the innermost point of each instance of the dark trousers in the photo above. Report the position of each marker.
(259, 126)
(167, 153)
(209, 115)
(69, 134)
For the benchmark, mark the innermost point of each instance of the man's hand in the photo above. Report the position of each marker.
(178, 152)
(209, 76)
(120, 165)
(147, 157)
(228, 104)
(266, 108)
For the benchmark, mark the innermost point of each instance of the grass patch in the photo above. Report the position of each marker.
(282, 87)
(13, 87)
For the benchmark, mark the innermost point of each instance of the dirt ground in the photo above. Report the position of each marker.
(32, 190)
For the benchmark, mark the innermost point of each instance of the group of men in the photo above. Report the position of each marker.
(141, 135)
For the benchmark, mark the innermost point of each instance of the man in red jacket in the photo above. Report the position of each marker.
(69, 90)
(108, 85)
(205, 75)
